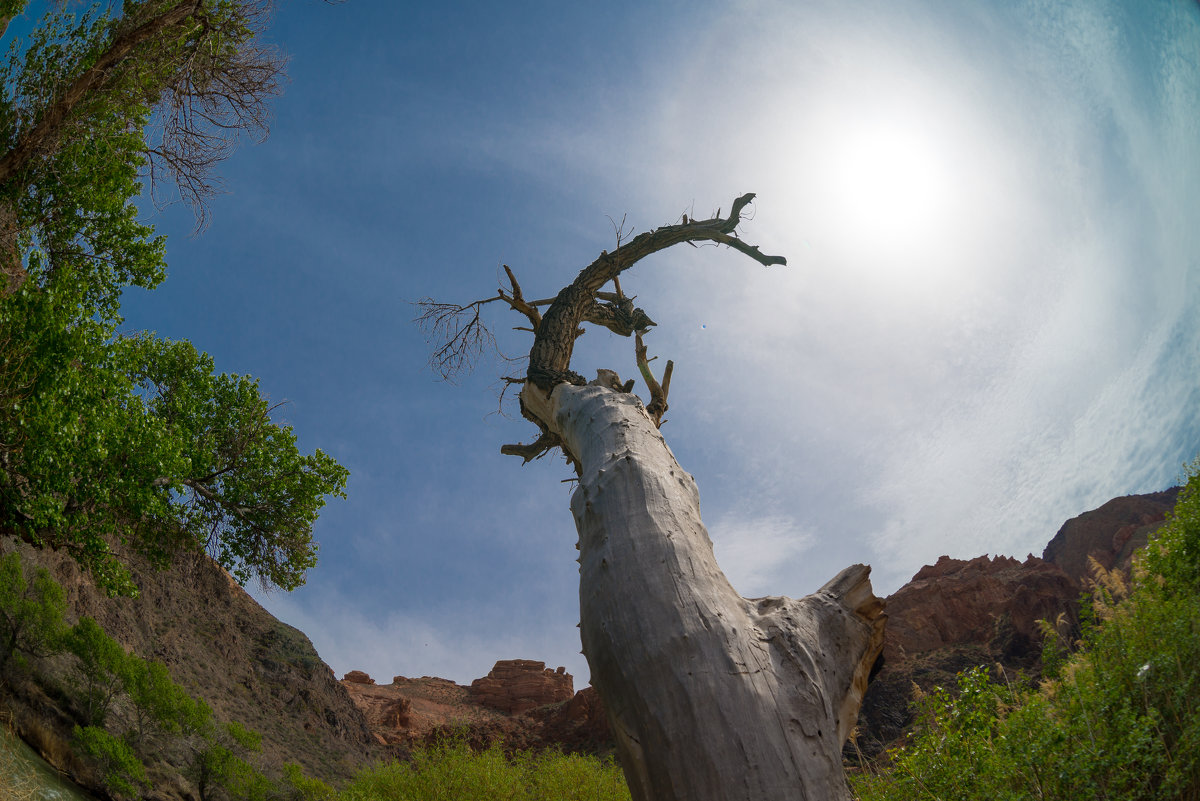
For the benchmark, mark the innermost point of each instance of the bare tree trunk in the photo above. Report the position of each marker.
(710, 695)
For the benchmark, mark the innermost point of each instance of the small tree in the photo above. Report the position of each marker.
(102, 666)
(31, 612)
(219, 764)
(122, 772)
(710, 695)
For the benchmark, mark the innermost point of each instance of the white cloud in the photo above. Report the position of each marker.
(758, 553)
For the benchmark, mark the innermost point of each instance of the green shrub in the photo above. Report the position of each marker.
(101, 664)
(121, 768)
(31, 612)
(298, 787)
(1118, 719)
(218, 768)
(451, 770)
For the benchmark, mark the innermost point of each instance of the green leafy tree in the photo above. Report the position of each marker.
(105, 436)
(220, 767)
(123, 772)
(157, 703)
(102, 666)
(31, 612)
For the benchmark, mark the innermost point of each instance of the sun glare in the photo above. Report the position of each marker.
(889, 184)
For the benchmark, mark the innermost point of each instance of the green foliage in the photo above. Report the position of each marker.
(31, 611)
(452, 770)
(218, 768)
(138, 438)
(298, 787)
(1119, 719)
(102, 665)
(141, 436)
(1174, 554)
(158, 704)
(123, 772)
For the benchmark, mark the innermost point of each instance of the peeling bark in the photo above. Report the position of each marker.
(710, 695)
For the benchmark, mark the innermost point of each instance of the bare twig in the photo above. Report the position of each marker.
(517, 301)
(459, 330)
(534, 450)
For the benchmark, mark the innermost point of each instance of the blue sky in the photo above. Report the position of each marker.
(988, 322)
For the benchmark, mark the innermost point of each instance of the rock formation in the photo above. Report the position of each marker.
(545, 713)
(956, 614)
(518, 685)
(358, 677)
(990, 602)
(1109, 534)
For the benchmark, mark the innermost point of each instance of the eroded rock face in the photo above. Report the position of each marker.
(411, 712)
(518, 685)
(990, 602)
(358, 677)
(953, 616)
(1109, 534)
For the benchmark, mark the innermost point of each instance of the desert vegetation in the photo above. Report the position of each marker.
(452, 770)
(1116, 715)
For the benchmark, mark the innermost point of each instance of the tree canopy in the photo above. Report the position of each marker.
(111, 441)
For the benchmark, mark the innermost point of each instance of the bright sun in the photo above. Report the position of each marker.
(889, 184)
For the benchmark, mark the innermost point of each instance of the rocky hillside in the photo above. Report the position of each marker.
(223, 647)
(1110, 534)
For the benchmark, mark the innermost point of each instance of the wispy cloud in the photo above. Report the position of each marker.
(965, 383)
(757, 553)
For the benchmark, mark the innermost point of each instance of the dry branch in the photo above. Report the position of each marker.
(460, 334)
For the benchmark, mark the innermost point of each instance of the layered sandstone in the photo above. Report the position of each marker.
(410, 712)
(518, 685)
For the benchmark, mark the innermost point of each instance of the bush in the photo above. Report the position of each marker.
(451, 770)
(102, 666)
(31, 612)
(298, 787)
(121, 768)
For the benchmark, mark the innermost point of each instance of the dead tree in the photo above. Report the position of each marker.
(709, 695)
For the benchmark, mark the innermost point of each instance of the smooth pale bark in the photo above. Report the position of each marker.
(710, 695)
